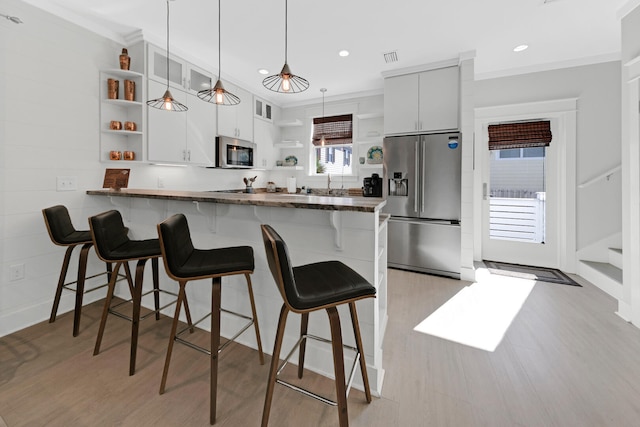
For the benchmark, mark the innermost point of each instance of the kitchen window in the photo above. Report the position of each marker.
(332, 142)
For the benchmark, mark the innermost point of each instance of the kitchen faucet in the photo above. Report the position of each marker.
(328, 183)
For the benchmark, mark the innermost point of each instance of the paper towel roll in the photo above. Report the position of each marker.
(291, 185)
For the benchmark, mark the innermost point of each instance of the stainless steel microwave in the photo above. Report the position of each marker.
(234, 153)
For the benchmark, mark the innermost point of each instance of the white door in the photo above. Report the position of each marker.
(559, 247)
(519, 205)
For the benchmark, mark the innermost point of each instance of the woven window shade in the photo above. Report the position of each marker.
(337, 130)
(519, 135)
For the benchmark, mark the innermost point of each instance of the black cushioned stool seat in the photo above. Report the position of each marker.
(307, 288)
(63, 233)
(112, 244)
(183, 263)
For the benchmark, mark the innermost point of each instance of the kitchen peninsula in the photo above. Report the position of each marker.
(316, 228)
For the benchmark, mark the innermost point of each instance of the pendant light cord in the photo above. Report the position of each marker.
(286, 23)
(219, 41)
(167, 44)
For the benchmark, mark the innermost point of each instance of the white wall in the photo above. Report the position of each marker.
(629, 304)
(597, 88)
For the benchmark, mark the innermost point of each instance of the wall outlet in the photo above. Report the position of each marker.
(16, 272)
(160, 182)
(66, 183)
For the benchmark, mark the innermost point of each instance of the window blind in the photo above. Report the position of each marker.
(520, 135)
(337, 130)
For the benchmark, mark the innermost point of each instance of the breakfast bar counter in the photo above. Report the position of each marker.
(315, 227)
(260, 198)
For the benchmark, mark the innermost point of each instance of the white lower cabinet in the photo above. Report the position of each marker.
(187, 137)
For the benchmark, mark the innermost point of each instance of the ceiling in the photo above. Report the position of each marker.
(558, 32)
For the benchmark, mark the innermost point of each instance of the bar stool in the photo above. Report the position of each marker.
(113, 245)
(308, 288)
(184, 263)
(63, 233)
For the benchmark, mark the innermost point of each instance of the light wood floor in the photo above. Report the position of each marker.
(567, 360)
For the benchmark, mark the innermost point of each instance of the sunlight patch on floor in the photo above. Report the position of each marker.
(480, 314)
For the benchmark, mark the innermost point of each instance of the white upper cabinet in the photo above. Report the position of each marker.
(236, 121)
(262, 109)
(201, 131)
(197, 79)
(264, 135)
(401, 104)
(182, 74)
(187, 137)
(157, 67)
(422, 102)
(439, 99)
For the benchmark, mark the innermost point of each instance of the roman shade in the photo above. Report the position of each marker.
(337, 130)
(520, 135)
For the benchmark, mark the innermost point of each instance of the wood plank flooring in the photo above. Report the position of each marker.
(567, 360)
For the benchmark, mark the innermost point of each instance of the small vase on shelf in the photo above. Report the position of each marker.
(125, 60)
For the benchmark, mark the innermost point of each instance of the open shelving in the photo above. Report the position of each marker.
(123, 111)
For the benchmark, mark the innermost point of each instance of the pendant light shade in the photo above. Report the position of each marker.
(322, 140)
(167, 102)
(285, 82)
(218, 94)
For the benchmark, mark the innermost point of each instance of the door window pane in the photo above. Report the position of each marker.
(512, 153)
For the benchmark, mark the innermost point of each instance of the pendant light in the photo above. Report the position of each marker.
(218, 94)
(285, 82)
(167, 102)
(322, 140)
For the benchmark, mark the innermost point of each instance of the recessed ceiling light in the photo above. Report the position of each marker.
(263, 71)
(343, 53)
(521, 47)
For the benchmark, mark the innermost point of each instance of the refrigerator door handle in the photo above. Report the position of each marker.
(423, 177)
(415, 221)
(416, 187)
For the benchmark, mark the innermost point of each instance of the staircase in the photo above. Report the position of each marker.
(605, 275)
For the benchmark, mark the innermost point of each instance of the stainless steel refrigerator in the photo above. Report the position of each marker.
(422, 188)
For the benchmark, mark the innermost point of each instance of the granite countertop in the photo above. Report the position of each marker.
(260, 198)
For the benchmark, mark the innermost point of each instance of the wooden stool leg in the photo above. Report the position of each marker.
(109, 271)
(127, 271)
(156, 286)
(105, 310)
(363, 363)
(135, 316)
(338, 365)
(63, 276)
(275, 361)
(172, 336)
(82, 270)
(254, 314)
(304, 324)
(188, 314)
(216, 297)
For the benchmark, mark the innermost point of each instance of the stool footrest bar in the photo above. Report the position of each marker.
(129, 318)
(308, 392)
(221, 347)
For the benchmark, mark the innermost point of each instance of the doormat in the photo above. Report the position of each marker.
(543, 274)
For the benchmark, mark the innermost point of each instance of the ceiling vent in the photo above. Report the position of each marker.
(390, 57)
